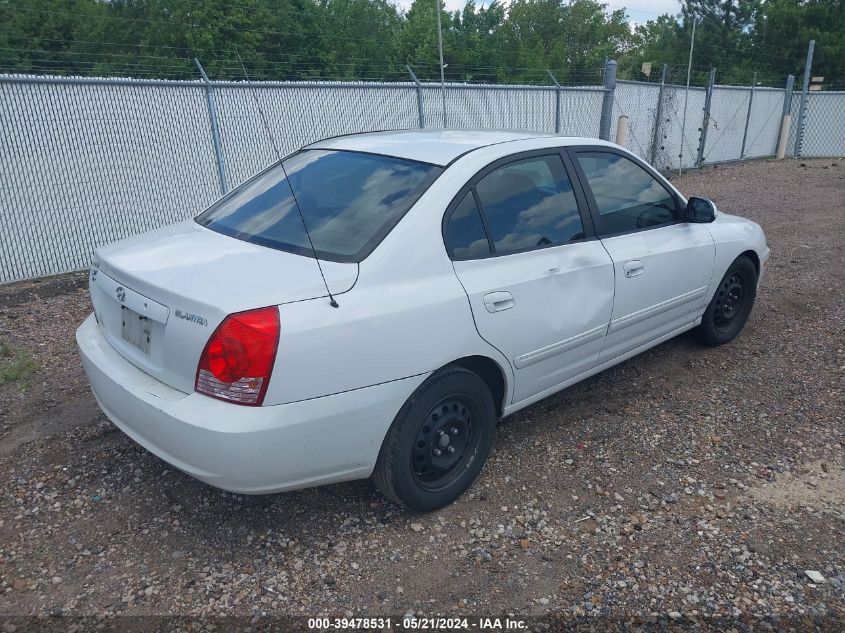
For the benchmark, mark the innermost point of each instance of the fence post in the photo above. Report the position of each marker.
(783, 136)
(799, 132)
(419, 95)
(706, 122)
(748, 116)
(607, 100)
(787, 101)
(658, 117)
(557, 102)
(215, 130)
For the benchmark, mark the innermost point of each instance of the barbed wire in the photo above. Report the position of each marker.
(323, 62)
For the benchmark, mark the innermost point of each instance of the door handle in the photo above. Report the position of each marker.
(498, 301)
(633, 268)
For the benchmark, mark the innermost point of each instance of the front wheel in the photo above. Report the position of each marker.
(731, 304)
(438, 441)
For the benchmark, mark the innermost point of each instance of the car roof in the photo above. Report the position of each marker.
(438, 147)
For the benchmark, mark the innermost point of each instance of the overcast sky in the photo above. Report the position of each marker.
(639, 11)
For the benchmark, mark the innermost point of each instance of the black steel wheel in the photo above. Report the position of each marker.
(445, 440)
(729, 298)
(438, 441)
(731, 304)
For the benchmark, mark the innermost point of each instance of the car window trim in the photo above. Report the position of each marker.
(573, 151)
(577, 189)
(484, 222)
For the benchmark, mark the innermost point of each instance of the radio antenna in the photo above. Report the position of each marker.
(332, 301)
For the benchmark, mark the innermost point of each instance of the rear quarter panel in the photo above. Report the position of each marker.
(381, 332)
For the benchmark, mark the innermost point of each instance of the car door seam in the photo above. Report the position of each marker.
(712, 269)
(613, 300)
(481, 336)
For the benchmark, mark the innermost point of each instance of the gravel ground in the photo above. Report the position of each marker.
(685, 485)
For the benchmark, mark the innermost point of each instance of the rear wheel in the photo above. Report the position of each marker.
(731, 304)
(438, 441)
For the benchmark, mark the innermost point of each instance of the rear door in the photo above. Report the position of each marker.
(539, 284)
(662, 263)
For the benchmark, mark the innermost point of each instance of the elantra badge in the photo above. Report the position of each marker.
(193, 318)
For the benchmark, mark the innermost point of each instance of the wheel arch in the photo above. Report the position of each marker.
(491, 373)
(754, 257)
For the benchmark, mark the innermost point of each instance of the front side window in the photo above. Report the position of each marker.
(627, 197)
(349, 200)
(530, 203)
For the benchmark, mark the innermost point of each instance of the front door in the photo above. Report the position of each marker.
(541, 290)
(662, 263)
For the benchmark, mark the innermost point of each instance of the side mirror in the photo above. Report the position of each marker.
(700, 210)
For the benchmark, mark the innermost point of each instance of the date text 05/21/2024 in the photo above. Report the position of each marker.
(416, 624)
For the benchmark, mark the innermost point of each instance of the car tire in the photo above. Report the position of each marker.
(731, 304)
(438, 441)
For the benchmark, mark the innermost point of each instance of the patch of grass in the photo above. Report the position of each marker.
(15, 367)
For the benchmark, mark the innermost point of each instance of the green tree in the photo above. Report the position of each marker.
(658, 42)
(372, 39)
(784, 28)
(571, 38)
(723, 37)
(417, 44)
(359, 39)
(473, 43)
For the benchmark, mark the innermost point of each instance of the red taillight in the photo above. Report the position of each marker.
(238, 359)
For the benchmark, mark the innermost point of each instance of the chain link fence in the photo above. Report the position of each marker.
(87, 161)
(823, 131)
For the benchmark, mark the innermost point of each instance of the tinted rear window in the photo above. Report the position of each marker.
(350, 201)
(465, 234)
(530, 203)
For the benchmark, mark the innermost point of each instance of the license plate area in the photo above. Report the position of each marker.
(135, 329)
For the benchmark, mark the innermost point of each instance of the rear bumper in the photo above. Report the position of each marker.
(250, 450)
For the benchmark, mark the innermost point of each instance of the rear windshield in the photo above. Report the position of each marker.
(349, 200)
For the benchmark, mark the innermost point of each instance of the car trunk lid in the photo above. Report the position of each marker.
(159, 296)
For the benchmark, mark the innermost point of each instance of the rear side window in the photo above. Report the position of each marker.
(627, 197)
(465, 234)
(349, 200)
(530, 203)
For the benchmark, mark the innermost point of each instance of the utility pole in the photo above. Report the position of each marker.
(442, 67)
(686, 98)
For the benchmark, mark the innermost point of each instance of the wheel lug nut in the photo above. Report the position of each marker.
(451, 449)
(438, 452)
(454, 431)
(439, 431)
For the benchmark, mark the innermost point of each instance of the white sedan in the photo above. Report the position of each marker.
(373, 304)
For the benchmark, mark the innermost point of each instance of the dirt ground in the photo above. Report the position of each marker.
(685, 485)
